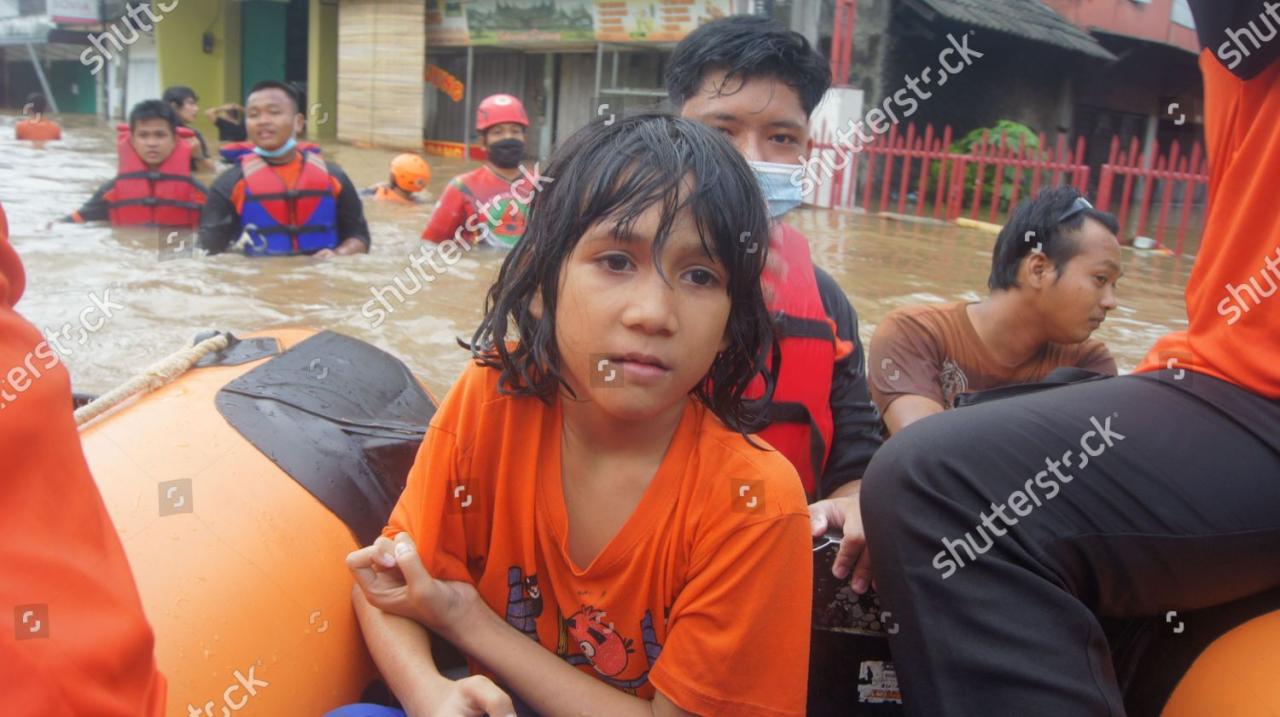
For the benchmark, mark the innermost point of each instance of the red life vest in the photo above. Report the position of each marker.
(801, 425)
(167, 196)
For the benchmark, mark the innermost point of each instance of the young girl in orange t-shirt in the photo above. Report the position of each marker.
(587, 519)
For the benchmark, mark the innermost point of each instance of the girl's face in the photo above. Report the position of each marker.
(631, 341)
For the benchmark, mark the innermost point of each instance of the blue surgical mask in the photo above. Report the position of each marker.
(277, 154)
(779, 190)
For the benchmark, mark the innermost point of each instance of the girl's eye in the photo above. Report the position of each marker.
(616, 262)
(702, 277)
(784, 139)
(1102, 279)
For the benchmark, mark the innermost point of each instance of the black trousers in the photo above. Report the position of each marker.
(1000, 534)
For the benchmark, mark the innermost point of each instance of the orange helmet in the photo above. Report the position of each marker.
(410, 172)
(496, 109)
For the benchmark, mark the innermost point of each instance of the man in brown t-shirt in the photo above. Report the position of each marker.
(1053, 277)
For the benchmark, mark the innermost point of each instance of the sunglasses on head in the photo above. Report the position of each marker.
(1079, 205)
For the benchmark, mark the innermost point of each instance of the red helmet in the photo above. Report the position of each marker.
(496, 109)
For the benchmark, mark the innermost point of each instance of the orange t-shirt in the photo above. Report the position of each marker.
(73, 638)
(1232, 311)
(932, 350)
(39, 130)
(705, 592)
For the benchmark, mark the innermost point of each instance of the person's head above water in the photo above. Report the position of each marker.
(273, 116)
(184, 102)
(753, 80)
(1061, 255)
(637, 281)
(410, 173)
(502, 124)
(37, 105)
(153, 131)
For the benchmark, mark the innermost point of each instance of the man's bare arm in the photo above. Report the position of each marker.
(906, 410)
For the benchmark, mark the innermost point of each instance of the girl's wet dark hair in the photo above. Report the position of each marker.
(614, 172)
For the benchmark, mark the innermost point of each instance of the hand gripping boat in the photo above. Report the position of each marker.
(238, 489)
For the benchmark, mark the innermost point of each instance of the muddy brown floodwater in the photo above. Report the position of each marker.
(882, 263)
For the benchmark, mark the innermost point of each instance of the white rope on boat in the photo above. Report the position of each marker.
(158, 374)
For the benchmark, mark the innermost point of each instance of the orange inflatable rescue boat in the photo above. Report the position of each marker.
(238, 489)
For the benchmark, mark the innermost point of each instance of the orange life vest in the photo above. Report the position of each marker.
(801, 425)
(166, 196)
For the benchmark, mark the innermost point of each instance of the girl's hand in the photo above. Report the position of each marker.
(473, 696)
(393, 579)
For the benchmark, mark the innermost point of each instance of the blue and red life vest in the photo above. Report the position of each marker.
(282, 220)
(166, 196)
(801, 425)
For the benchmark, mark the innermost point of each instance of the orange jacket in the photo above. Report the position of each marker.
(78, 643)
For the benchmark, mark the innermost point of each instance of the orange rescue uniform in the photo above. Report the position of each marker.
(78, 642)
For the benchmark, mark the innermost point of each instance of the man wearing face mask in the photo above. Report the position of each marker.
(757, 82)
(489, 204)
(286, 200)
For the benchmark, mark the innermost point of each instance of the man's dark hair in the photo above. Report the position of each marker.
(38, 102)
(288, 89)
(1038, 222)
(153, 109)
(746, 47)
(614, 173)
(179, 94)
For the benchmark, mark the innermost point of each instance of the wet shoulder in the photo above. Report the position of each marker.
(735, 480)
(476, 412)
(943, 324)
(225, 183)
(1090, 354)
(335, 170)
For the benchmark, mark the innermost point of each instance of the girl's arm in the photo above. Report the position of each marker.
(402, 650)
(393, 578)
(401, 647)
(550, 685)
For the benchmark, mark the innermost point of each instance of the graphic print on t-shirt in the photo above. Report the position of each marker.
(508, 227)
(601, 645)
(953, 382)
(524, 602)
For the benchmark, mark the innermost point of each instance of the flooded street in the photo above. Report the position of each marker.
(161, 305)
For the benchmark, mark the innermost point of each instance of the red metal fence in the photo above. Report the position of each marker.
(917, 173)
(1171, 169)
